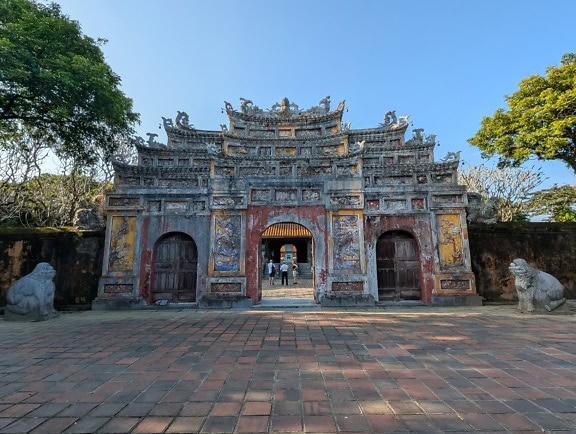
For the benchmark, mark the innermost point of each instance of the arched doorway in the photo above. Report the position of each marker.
(175, 269)
(398, 267)
(287, 242)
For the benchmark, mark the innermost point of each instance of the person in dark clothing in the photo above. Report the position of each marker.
(284, 270)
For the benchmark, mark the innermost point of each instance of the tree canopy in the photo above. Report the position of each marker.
(510, 187)
(558, 202)
(56, 86)
(540, 120)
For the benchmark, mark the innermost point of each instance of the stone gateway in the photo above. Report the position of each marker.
(369, 216)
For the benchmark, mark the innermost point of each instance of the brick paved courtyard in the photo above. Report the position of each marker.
(421, 370)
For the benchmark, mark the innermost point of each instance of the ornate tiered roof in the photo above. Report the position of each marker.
(289, 142)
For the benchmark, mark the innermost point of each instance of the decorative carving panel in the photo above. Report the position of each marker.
(260, 195)
(257, 170)
(406, 159)
(129, 180)
(399, 180)
(124, 202)
(348, 286)
(121, 251)
(442, 179)
(351, 200)
(282, 152)
(198, 205)
(154, 206)
(117, 288)
(455, 285)
(225, 287)
(174, 183)
(452, 198)
(223, 171)
(311, 195)
(314, 170)
(346, 238)
(395, 204)
(317, 132)
(176, 206)
(373, 204)
(418, 204)
(226, 244)
(347, 170)
(286, 195)
(450, 240)
(226, 201)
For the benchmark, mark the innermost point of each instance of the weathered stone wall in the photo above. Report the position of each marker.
(550, 247)
(76, 257)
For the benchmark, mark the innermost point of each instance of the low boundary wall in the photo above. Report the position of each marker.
(77, 258)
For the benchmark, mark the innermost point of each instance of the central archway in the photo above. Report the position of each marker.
(288, 242)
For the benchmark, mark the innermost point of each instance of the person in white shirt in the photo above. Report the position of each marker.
(284, 270)
(271, 272)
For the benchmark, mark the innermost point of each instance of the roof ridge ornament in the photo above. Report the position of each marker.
(451, 156)
(283, 109)
(391, 122)
(151, 143)
(418, 138)
(183, 121)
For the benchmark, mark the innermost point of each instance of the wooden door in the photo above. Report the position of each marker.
(175, 269)
(398, 267)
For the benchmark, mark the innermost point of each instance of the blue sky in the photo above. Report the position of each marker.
(445, 63)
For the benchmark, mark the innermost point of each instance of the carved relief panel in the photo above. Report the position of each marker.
(121, 250)
(226, 245)
(347, 242)
(286, 195)
(450, 241)
(311, 194)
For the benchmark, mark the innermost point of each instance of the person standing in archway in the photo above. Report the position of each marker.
(294, 271)
(284, 270)
(271, 272)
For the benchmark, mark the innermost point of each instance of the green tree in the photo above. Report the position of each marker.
(558, 202)
(56, 85)
(540, 120)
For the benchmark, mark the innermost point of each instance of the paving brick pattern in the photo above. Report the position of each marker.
(302, 289)
(487, 369)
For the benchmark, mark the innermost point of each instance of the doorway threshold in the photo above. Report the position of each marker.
(286, 303)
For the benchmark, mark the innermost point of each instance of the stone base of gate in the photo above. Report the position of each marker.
(118, 303)
(347, 300)
(225, 301)
(456, 300)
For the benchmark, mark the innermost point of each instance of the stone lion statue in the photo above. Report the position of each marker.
(32, 297)
(537, 291)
